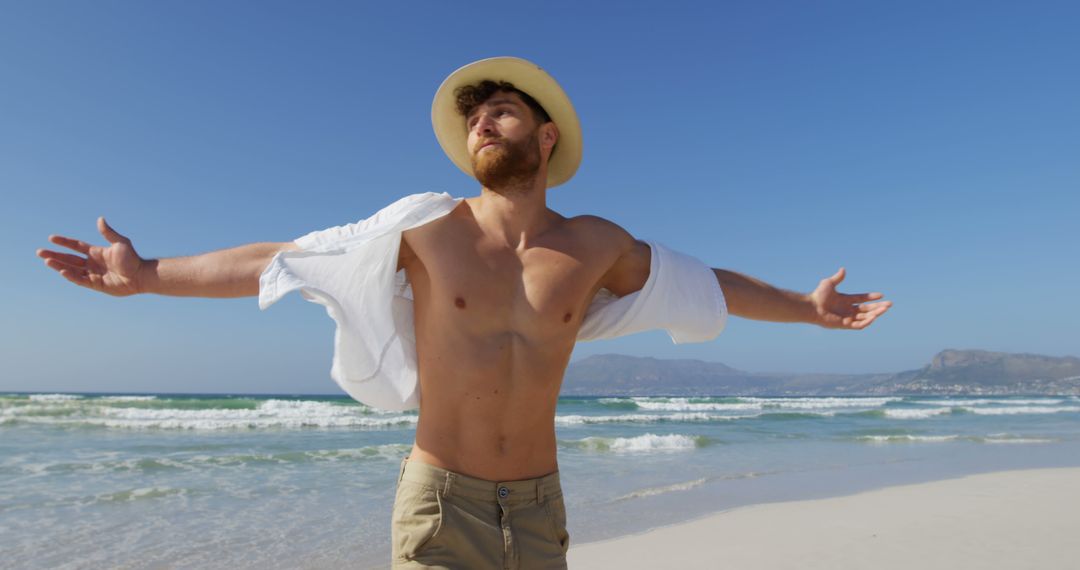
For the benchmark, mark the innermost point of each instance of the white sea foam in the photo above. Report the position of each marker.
(686, 406)
(392, 451)
(915, 414)
(385, 451)
(1022, 410)
(989, 401)
(652, 442)
(231, 423)
(125, 398)
(640, 444)
(1018, 440)
(1005, 437)
(261, 423)
(54, 397)
(200, 462)
(269, 414)
(793, 414)
(651, 491)
(909, 438)
(748, 403)
(575, 419)
(137, 494)
(992, 439)
(821, 403)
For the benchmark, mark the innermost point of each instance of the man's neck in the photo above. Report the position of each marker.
(515, 216)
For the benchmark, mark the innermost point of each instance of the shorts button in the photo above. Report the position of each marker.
(504, 492)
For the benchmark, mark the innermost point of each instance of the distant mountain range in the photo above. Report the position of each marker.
(950, 372)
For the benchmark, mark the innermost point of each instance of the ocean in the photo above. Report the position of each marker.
(235, 481)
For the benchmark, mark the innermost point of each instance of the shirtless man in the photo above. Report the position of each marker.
(501, 285)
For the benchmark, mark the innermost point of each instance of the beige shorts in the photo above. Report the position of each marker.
(447, 520)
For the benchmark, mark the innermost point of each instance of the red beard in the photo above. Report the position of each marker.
(508, 164)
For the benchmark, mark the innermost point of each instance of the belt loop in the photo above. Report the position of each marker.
(539, 493)
(447, 483)
(401, 472)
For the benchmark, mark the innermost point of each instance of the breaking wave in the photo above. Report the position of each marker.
(149, 412)
(640, 444)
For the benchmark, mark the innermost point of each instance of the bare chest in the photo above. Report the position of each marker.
(458, 276)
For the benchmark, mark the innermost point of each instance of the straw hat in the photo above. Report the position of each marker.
(527, 76)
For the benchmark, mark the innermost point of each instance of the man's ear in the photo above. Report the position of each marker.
(549, 135)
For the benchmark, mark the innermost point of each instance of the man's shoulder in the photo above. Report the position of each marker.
(627, 259)
(603, 231)
(601, 227)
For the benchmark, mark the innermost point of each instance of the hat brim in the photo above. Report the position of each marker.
(453, 135)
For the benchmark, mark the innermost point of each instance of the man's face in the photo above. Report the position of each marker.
(503, 141)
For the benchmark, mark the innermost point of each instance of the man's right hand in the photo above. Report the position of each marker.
(113, 270)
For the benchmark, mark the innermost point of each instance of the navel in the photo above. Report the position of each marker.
(566, 318)
(459, 302)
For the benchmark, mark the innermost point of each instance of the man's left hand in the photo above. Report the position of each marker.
(837, 310)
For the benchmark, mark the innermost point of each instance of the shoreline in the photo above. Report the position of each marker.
(1004, 519)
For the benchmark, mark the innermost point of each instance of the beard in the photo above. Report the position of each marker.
(508, 166)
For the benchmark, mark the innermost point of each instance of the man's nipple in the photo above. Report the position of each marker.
(459, 302)
(566, 318)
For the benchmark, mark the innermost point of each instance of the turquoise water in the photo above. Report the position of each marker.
(91, 481)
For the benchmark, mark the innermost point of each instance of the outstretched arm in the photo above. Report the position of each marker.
(824, 306)
(746, 296)
(118, 270)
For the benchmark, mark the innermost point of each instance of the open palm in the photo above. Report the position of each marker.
(112, 270)
(837, 310)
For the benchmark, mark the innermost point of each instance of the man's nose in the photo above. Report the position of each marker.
(484, 124)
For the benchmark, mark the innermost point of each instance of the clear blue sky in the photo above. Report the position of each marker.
(932, 148)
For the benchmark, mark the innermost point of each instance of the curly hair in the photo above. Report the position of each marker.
(469, 97)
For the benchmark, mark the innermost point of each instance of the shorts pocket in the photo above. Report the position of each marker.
(416, 520)
(556, 511)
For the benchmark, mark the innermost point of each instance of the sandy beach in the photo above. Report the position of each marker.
(1004, 520)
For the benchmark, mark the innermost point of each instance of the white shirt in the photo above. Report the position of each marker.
(352, 271)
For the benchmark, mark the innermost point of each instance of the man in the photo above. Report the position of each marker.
(497, 288)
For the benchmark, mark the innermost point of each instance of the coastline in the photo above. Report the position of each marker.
(1005, 519)
(148, 474)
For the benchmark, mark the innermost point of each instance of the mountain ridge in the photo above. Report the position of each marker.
(949, 372)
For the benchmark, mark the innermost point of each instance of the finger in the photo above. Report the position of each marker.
(874, 311)
(837, 277)
(78, 245)
(65, 258)
(864, 320)
(59, 266)
(110, 234)
(855, 298)
(76, 277)
(867, 317)
(883, 306)
(864, 323)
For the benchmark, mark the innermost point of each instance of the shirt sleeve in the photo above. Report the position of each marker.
(278, 279)
(351, 271)
(681, 296)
